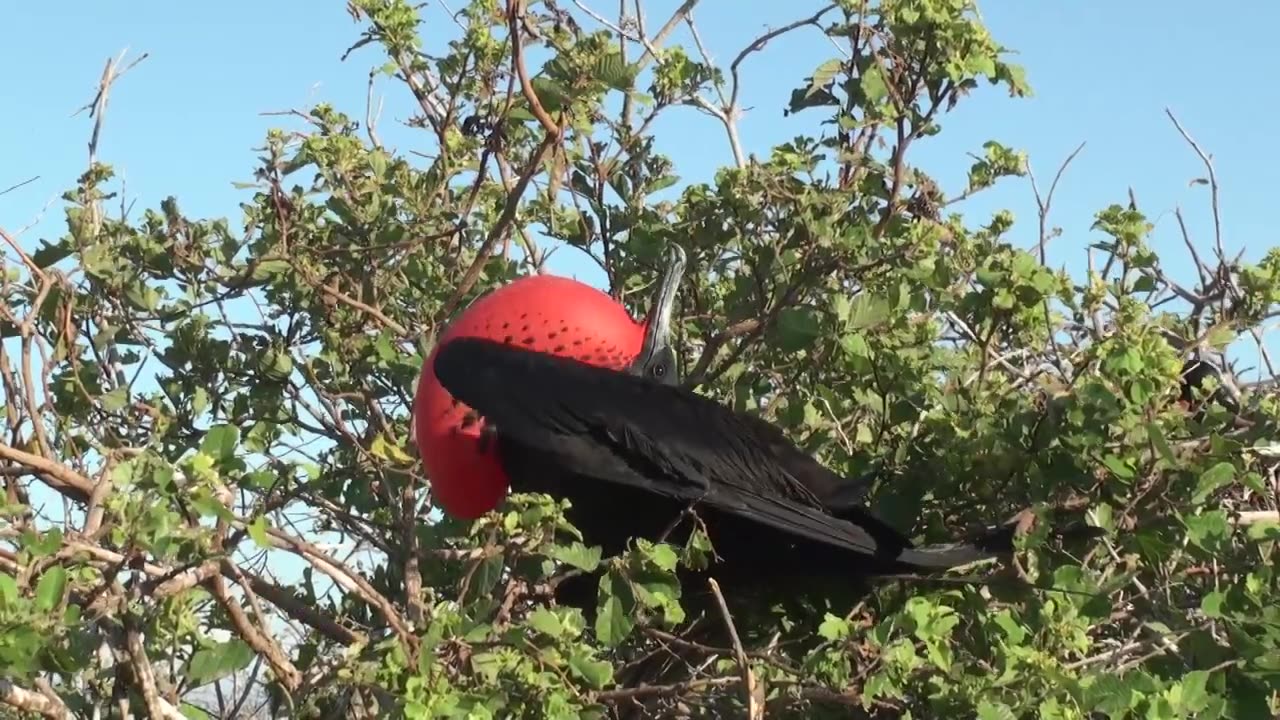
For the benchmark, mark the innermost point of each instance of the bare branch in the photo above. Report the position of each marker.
(15, 186)
(755, 693)
(50, 707)
(1213, 184)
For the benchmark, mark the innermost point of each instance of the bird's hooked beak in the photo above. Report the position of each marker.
(657, 331)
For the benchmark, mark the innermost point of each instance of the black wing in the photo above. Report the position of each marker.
(667, 440)
(839, 495)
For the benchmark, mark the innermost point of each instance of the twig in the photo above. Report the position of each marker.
(499, 228)
(1044, 205)
(370, 117)
(348, 579)
(526, 85)
(672, 690)
(98, 106)
(651, 45)
(1201, 269)
(1047, 202)
(257, 638)
(1213, 184)
(373, 312)
(759, 43)
(11, 188)
(754, 693)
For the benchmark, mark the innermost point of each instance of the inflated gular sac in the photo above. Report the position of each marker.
(547, 313)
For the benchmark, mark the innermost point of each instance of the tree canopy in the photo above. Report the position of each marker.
(213, 507)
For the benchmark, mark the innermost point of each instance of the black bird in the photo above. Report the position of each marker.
(634, 455)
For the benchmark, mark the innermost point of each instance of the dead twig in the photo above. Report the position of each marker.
(1213, 184)
(754, 692)
(15, 186)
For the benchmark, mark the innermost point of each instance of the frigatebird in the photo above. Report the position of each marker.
(634, 452)
(567, 318)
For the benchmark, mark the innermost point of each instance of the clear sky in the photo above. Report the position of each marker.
(186, 121)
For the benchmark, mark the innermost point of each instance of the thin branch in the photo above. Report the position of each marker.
(651, 45)
(760, 42)
(499, 228)
(13, 187)
(755, 693)
(1046, 203)
(526, 85)
(1213, 184)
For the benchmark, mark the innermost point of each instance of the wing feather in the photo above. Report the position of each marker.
(680, 444)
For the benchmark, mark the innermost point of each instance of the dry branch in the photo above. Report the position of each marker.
(50, 707)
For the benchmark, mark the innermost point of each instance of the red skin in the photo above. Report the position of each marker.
(547, 313)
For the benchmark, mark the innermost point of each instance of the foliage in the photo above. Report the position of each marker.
(218, 407)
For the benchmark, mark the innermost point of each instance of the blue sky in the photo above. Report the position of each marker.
(186, 121)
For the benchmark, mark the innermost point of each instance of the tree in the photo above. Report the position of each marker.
(216, 408)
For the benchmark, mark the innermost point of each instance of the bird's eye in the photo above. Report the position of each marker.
(659, 371)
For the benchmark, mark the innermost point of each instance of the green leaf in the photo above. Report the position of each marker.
(613, 622)
(268, 269)
(873, 86)
(50, 589)
(47, 254)
(1208, 530)
(1119, 466)
(42, 544)
(1161, 444)
(115, 400)
(1221, 335)
(868, 311)
(220, 442)
(194, 712)
(488, 574)
(578, 555)
(546, 622)
(1264, 531)
(1195, 695)
(798, 328)
(988, 710)
(597, 674)
(614, 71)
(218, 661)
(9, 595)
(855, 345)
(1211, 605)
(551, 93)
(487, 665)
(1012, 629)
(833, 627)
(1212, 479)
(209, 506)
(258, 531)
(823, 75)
(616, 602)
(200, 401)
(664, 556)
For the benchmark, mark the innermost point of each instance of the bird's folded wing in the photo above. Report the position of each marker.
(666, 436)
